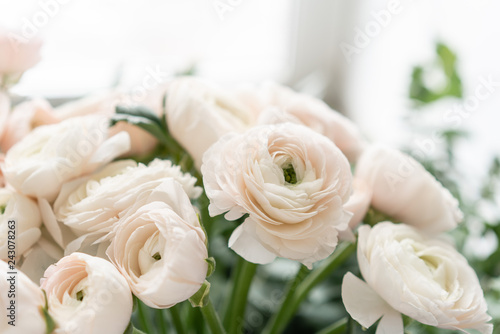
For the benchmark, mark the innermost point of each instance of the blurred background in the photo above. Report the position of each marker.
(357, 55)
(423, 76)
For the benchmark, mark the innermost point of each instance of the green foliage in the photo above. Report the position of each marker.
(445, 62)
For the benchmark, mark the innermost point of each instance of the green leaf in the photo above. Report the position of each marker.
(144, 123)
(201, 298)
(141, 111)
(446, 61)
(50, 323)
(211, 266)
(132, 330)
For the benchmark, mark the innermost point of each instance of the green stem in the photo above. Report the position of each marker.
(336, 328)
(176, 320)
(235, 310)
(142, 316)
(161, 321)
(295, 296)
(212, 318)
(279, 319)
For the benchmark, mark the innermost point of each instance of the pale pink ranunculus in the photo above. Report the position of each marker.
(87, 295)
(408, 272)
(17, 53)
(141, 141)
(160, 247)
(278, 104)
(405, 191)
(93, 205)
(23, 119)
(292, 181)
(29, 301)
(199, 113)
(50, 155)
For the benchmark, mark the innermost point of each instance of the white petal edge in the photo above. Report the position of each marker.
(365, 306)
(246, 245)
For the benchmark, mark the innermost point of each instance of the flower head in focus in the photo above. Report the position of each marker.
(160, 247)
(87, 295)
(291, 181)
(407, 272)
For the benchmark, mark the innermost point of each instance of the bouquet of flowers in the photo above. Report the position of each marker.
(126, 216)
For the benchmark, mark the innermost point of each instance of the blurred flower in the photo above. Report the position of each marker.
(87, 294)
(293, 183)
(23, 119)
(359, 202)
(160, 247)
(104, 104)
(278, 104)
(423, 278)
(50, 155)
(17, 54)
(199, 113)
(404, 190)
(93, 205)
(29, 300)
(24, 212)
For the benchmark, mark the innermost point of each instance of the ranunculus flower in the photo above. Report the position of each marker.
(23, 119)
(160, 247)
(199, 113)
(50, 155)
(24, 212)
(278, 104)
(293, 183)
(17, 54)
(404, 190)
(104, 104)
(93, 205)
(87, 294)
(28, 299)
(407, 272)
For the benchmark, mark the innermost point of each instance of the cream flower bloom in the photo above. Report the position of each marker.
(404, 190)
(408, 273)
(24, 212)
(293, 183)
(160, 247)
(104, 104)
(279, 104)
(25, 117)
(50, 155)
(87, 295)
(29, 300)
(92, 206)
(198, 114)
(17, 54)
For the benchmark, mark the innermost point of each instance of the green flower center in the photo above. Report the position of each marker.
(79, 295)
(289, 174)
